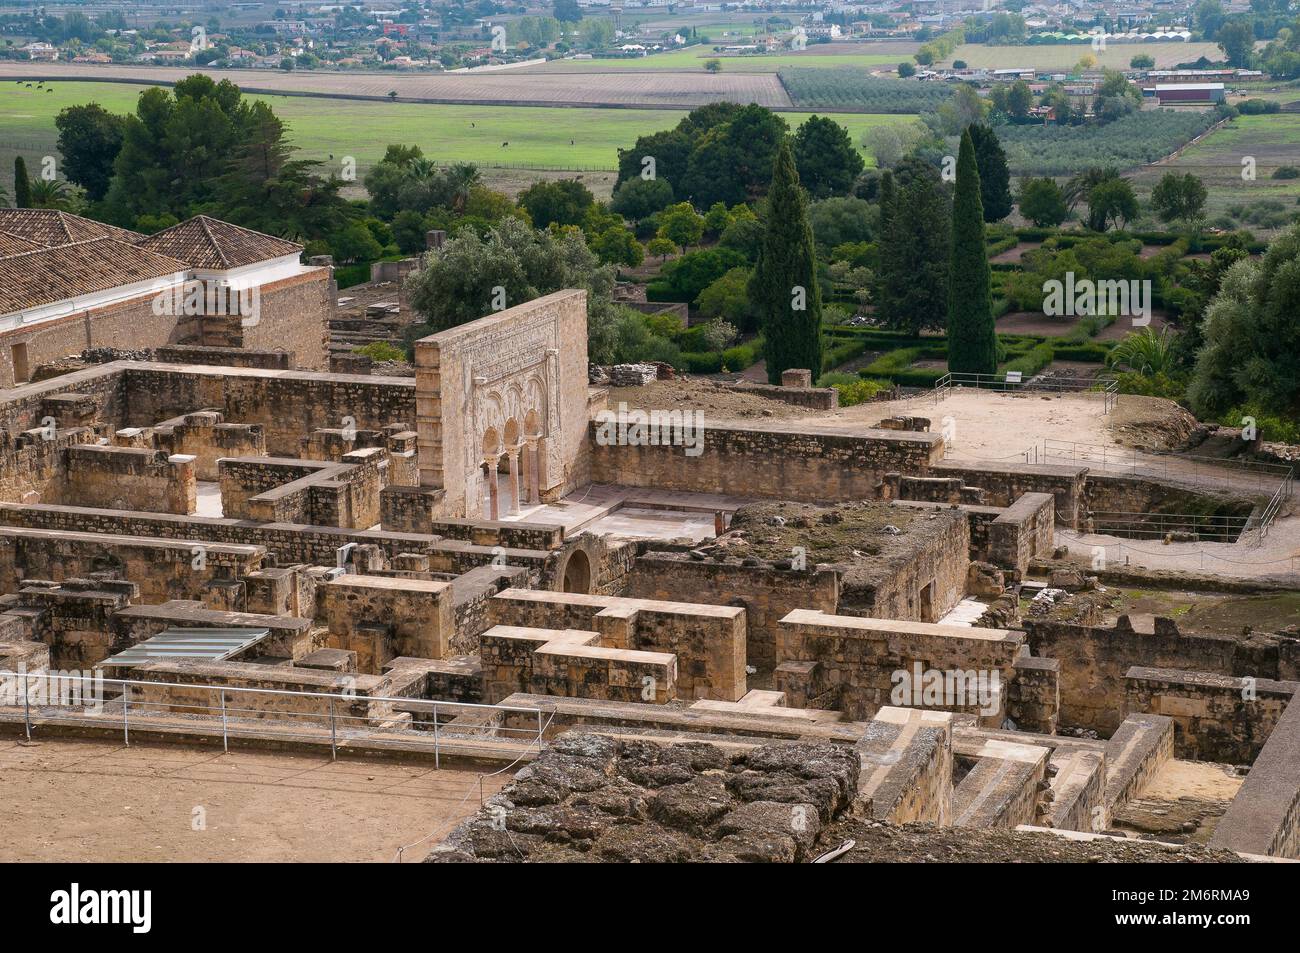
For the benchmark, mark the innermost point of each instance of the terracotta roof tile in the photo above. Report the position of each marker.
(47, 275)
(15, 244)
(212, 244)
(50, 227)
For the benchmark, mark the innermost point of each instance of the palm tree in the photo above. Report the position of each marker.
(1077, 188)
(51, 193)
(461, 177)
(422, 167)
(1145, 352)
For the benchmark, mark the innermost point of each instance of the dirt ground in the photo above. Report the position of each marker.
(985, 425)
(1182, 803)
(1035, 322)
(1207, 611)
(97, 801)
(697, 393)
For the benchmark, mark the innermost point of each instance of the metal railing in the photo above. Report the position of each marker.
(1222, 529)
(1106, 388)
(1269, 513)
(41, 698)
(1242, 476)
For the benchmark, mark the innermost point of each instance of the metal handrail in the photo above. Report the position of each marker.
(1107, 387)
(1185, 468)
(227, 716)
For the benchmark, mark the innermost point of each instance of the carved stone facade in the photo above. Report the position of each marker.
(501, 407)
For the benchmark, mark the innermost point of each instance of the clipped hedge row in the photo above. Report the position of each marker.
(662, 291)
(733, 358)
(1033, 362)
(837, 351)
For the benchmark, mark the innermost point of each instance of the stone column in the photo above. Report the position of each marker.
(515, 482)
(534, 480)
(493, 503)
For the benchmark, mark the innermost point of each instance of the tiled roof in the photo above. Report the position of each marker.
(47, 275)
(212, 244)
(50, 227)
(16, 244)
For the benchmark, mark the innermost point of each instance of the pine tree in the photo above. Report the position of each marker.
(972, 340)
(22, 185)
(783, 291)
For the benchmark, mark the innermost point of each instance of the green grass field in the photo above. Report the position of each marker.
(1271, 141)
(539, 136)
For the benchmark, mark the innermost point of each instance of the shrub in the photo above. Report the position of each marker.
(1271, 427)
(693, 272)
(743, 355)
(1256, 107)
(380, 351)
(1158, 385)
(719, 334)
(857, 392)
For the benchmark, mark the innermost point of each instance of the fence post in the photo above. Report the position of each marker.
(437, 757)
(27, 706)
(126, 728)
(225, 740)
(334, 748)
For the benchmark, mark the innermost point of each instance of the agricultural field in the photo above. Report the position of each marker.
(1135, 140)
(540, 137)
(694, 57)
(1272, 141)
(651, 89)
(858, 90)
(1061, 56)
(1277, 92)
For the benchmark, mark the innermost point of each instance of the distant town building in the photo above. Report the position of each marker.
(1189, 94)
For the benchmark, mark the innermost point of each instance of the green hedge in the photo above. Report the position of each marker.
(1035, 234)
(892, 362)
(662, 291)
(1031, 363)
(837, 351)
(998, 246)
(1092, 352)
(918, 377)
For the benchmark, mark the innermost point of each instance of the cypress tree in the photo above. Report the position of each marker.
(22, 185)
(972, 340)
(784, 290)
(914, 253)
(886, 305)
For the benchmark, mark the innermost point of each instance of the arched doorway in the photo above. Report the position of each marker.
(577, 572)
